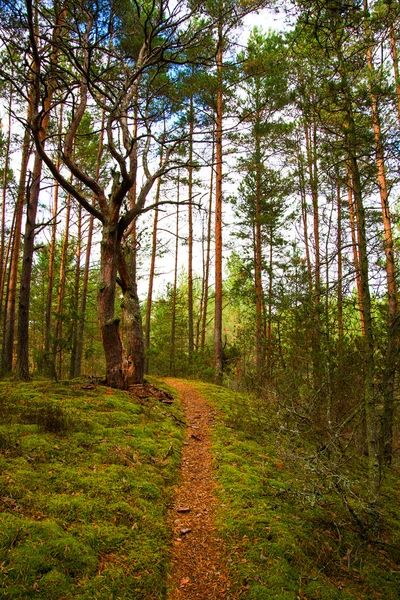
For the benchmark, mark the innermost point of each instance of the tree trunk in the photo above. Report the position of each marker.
(395, 58)
(190, 236)
(85, 280)
(26, 272)
(355, 244)
(208, 252)
(258, 289)
(75, 313)
(134, 361)
(151, 273)
(391, 358)
(371, 418)
(109, 323)
(3, 259)
(174, 293)
(57, 344)
(52, 250)
(9, 317)
(339, 260)
(218, 350)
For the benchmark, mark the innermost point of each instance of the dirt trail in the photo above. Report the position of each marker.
(199, 567)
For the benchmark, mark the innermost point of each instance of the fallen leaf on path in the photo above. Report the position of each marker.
(185, 580)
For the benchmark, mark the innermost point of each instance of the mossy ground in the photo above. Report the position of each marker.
(283, 511)
(85, 479)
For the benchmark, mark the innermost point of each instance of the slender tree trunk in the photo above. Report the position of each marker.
(305, 221)
(395, 58)
(269, 314)
(26, 272)
(52, 250)
(355, 244)
(77, 281)
(311, 149)
(218, 349)
(388, 379)
(208, 251)
(9, 318)
(260, 342)
(33, 200)
(151, 277)
(85, 280)
(339, 262)
(371, 418)
(190, 236)
(3, 260)
(57, 344)
(172, 370)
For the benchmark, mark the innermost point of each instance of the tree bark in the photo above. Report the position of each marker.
(172, 369)
(9, 317)
(391, 358)
(190, 236)
(260, 342)
(3, 259)
(57, 343)
(52, 250)
(208, 252)
(75, 296)
(218, 349)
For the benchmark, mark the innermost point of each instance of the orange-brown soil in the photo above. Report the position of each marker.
(199, 564)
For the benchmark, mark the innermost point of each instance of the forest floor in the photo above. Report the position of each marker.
(199, 564)
(182, 490)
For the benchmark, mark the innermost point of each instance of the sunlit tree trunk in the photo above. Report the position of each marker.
(208, 251)
(388, 378)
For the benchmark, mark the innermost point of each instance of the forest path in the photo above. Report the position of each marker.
(199, 566)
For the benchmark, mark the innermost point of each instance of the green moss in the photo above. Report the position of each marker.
(288, 532)
(85, 480)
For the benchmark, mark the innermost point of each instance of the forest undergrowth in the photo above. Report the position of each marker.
(87, 474)
(293, 513)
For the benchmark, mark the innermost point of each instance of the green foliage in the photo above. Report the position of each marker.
(85, 479)
(285, 511)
